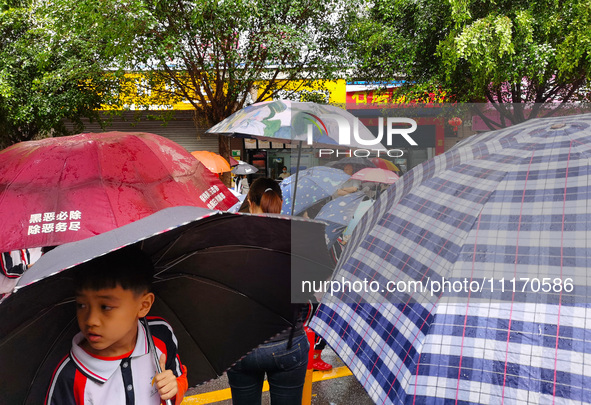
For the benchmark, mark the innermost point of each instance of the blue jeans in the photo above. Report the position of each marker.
(286, 372)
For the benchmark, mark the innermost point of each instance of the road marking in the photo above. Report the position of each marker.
(225, 394)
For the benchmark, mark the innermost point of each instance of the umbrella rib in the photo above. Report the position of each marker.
(186, 332)
(49, 351)
(217, 285)
(203, 227)
(229, 248)
(22, 327)
(41, 314)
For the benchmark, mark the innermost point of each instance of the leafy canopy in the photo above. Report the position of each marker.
(496, 51)
(43, 82)
(217, 54)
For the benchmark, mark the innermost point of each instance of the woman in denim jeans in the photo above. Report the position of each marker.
(283, 359)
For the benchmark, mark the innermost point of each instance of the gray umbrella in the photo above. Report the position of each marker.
(244, 168)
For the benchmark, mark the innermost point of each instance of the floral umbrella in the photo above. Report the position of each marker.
(296, 122)
(289, 121)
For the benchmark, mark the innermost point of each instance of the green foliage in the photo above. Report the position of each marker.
(496, 51)
(216, 54)
(43, 82)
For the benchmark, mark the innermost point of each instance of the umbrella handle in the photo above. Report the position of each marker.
(153, 350)
(295, 186)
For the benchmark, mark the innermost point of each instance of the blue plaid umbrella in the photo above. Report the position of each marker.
(338, 213)
(314, 185)
(504, 218)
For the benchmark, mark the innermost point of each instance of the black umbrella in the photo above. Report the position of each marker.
(223, 282)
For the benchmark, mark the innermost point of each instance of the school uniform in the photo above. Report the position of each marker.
(84, 379)
(12, 266)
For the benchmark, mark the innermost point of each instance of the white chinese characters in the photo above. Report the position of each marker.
(210, 194)
(56, 221)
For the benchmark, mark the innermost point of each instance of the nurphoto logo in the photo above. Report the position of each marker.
(395, 126)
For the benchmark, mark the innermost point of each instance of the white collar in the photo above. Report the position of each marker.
(101, 369)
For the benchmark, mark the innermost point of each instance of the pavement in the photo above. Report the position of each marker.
(334, 387)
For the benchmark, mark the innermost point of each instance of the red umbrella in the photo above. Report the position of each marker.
(60, 190)
(384, 164)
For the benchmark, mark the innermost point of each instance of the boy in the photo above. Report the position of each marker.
(110, 362)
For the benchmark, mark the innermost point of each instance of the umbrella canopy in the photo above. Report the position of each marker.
(338, 213)
(236, 207)
(357, 215)
(376, 175)
(384, 164)
(214, 162)
(59, 190)
(244, 168)
(503, 217)
(233, 162)
(314, 185)
(288, 121)
(357, 163)
(223, 282)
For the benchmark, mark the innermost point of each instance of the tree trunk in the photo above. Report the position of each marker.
(224, 147)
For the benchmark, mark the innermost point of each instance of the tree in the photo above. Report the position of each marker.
(525, 58)
(218, 55)
(43, 83)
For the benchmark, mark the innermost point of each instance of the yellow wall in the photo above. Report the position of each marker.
(334, 90)
(138, 91)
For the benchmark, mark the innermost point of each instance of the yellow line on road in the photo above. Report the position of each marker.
(225, 394)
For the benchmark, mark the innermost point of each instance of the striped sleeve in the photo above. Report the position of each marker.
(14, 263)
(67, 385)
(166, 341)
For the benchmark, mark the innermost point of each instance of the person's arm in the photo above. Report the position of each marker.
(346, 190)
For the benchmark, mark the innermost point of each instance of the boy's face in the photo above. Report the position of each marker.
(108, 319)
